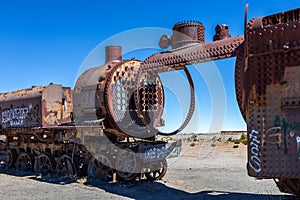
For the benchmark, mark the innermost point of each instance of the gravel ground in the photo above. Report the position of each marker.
(207, 170)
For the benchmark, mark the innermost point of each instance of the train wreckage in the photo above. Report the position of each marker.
(106, 126)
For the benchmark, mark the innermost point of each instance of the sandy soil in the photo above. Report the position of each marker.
(207, 170)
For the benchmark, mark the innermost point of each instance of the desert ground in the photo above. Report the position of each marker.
(209, 167)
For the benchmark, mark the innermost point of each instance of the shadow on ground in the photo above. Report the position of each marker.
(158, 190)
(147, 190)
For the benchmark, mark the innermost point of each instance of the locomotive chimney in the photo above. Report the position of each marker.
(221, 32)
(113, 54)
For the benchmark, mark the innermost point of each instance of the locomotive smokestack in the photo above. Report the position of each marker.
(113, 54)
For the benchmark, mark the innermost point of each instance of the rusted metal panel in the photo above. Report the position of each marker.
(33, 92)
(268, 92)
(36, 107)
(21, 113)
(56, 104)
(21, 108)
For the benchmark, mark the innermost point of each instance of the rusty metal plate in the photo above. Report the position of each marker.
(268, 92)
(36, 107)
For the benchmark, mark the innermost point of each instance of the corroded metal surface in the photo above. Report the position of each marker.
(192, 54)
(188, 32)
(267, 87)
(108, 92)
(267, 83)
(184, 33)
(143, 116)
(36, 107)
(191, 50)
(119, 99)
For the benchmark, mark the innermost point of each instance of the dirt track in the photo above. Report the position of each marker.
(202, 172)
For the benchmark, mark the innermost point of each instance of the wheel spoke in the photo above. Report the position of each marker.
(24, 162)
(65, 166)
(158, 173)
(126, 164)
(10, 157)
(43, 164)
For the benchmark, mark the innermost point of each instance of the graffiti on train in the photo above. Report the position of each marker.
(21, 116)
(254, 147)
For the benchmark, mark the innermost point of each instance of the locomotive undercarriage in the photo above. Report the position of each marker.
(59, 151)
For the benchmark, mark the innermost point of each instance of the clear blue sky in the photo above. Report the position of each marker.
(47, 41)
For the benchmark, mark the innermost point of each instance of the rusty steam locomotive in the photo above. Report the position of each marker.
(92, 129)
(107, 125)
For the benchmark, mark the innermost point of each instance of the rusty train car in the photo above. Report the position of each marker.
(86, 130)
(107, 125)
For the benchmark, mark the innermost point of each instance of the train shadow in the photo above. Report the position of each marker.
(159, 190)
(53, 178)
(147, 190)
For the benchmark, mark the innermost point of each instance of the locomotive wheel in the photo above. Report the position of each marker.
(288, 185)
(10, 157)
(127, 165)
(24, 162)
(158, 173)
(65, 166)
(101, 168)
(43, 164)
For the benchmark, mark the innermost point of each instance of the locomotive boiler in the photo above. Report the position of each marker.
(108, 92)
